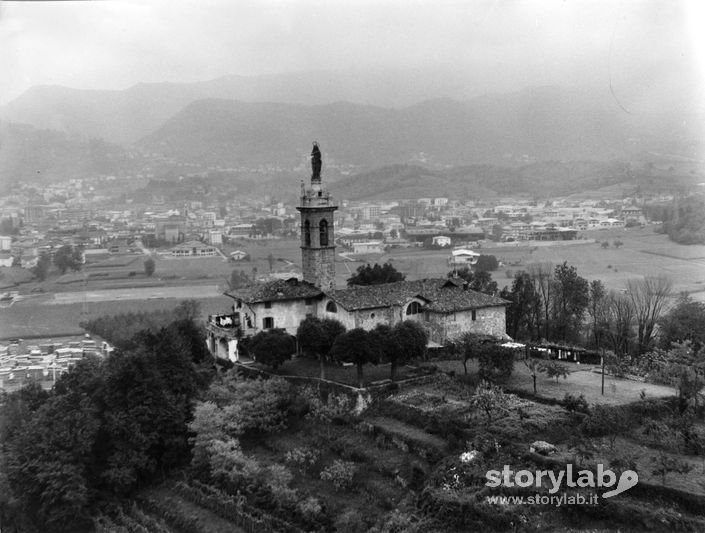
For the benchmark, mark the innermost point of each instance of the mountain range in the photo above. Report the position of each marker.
(270, 121)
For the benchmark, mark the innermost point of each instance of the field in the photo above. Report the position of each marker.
(581, 380)
(35, 318)
(643, 253)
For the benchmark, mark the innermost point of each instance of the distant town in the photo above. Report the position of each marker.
(79, 213)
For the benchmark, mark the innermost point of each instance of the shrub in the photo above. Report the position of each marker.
(310, 508)
(335, 406)
(352, 521)
(576, 404)
(278, 479)
(555, 370)
(340, 473)
(302, 457)
(496, 363)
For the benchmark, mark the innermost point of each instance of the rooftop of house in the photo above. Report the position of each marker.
(280, 289)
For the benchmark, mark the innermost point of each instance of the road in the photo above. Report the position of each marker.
(144, 293)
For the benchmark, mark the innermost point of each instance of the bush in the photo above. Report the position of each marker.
(352, 521)
(302, 457)
(340, 473)
(310, 509)
(576, 404)
(496, 363)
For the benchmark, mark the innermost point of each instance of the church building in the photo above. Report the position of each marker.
(445, 307)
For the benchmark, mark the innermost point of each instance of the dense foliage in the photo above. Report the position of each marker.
(68, 257)
(108, 427)
(685, 321)
(271, 347)
(316, 337)
(477, 280)
(375, 275)
(401, 343)
(685, 224)
(121, 329)
(359, 347)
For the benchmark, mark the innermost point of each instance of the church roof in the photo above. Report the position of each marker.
(281, 289)
(442, 295)
(373, 296)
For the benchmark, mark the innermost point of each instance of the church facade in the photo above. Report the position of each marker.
(446, 308)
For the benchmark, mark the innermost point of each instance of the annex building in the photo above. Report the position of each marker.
(445, 307)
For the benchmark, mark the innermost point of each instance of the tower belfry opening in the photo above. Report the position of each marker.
(317, 208)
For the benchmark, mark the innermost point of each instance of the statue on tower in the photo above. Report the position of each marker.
(316, 162)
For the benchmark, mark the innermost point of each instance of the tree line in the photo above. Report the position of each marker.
(328, 340)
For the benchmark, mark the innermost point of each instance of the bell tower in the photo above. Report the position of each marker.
(317, 240)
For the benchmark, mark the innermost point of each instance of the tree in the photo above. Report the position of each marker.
(375, 275)
(541, 275)
(496, 234)
(534, 365)
(356, 346)
(685, 321)
(404, 342)
(108, 426)
(68, 257)
(316, 336)
(596, 309)
(393, 233)
(571, 297)
(149, 266)
(238, 278)
(664, 462)
(469, 346)
(496, 362)
(272, 347)
(685, 368)
(524, 313)
(48, 468)
(617, 243)
(605, 421)
(490, 399)
(42, 268)
(648, 296)
(605, 244)
(555, 370)
(619, 319)
(477, 281)
(486, 263)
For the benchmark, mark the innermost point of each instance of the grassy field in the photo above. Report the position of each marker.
(643, 253)
(31, 318)
(580, 381)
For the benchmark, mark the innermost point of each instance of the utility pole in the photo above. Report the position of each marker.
(602, 363)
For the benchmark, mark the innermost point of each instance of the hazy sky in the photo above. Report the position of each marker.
(113, 44)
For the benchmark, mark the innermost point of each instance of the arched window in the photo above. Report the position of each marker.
(331, 307)
(414, 308)
(324, 232)
(307, 233)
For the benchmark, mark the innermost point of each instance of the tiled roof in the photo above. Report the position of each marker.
(289, 289)
(372, 296)
(442, 295)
